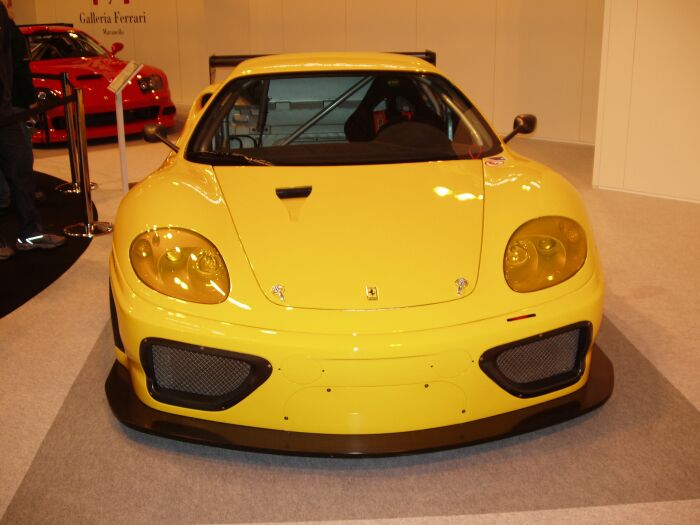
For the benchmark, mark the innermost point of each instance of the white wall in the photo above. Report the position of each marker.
(23, 9)
(509, 56)
(650, 100)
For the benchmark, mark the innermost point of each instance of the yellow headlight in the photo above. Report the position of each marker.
(544, 252)
(181, 264)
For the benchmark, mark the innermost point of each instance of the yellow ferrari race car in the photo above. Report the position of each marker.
(340, 257)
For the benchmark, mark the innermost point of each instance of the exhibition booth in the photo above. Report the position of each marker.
(335, 284)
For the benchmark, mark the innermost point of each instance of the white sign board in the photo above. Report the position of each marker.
(116, 87)
(124, 76)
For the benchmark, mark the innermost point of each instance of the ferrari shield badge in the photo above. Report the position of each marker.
(372, 293)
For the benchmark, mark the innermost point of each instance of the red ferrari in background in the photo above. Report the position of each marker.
(59, 48)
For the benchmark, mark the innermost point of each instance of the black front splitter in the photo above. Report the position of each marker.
(133, 413)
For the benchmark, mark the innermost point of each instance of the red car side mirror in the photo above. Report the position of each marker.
(116, 47)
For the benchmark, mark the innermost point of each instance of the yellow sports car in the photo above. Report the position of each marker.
(341, 257)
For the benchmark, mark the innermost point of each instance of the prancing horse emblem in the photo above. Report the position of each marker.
(372, 293)
(461, 283)
(278, 290)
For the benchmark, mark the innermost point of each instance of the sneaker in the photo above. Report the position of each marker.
(5, 251)
(45, 241)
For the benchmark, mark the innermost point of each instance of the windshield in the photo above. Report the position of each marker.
(71, 44)
(354, 118)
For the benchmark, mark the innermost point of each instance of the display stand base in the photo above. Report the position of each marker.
(88, 230)
(69, 187)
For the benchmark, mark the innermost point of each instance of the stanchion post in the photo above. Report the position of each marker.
(89, 228)
(122, 141)
(116, 86)
(71, 122)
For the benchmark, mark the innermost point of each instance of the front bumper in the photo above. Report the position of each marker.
(101, 122)
(133, 413)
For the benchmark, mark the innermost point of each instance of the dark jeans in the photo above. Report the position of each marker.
(17, 166)
(4, 192)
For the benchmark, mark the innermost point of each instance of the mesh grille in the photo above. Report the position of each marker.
(540, 359)
(196, 372)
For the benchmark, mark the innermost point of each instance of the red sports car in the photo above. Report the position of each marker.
(59, 48)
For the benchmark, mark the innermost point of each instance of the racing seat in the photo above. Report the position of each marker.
(388, 100)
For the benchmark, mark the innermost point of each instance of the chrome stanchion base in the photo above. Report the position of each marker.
(69, 187)
(88, 230)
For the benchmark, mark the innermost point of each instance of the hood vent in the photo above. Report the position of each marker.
(89, 76)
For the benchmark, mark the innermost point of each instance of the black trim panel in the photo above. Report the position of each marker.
(115, 321)
(133, 413)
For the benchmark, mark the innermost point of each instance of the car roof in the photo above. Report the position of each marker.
(340, 61)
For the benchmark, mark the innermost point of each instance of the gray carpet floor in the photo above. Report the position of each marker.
(642, 446)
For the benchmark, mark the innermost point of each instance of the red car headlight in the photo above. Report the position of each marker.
(46, 95)
(151, 83)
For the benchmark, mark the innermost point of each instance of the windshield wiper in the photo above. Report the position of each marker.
(214, 155)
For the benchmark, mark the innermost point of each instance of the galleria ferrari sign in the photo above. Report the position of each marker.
(112, 20)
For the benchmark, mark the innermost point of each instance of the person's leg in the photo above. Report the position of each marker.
(6, 250)
(4, 192)
(16, 163)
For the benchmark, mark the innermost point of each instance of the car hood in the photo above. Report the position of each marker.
(407, 231)
(91, 73)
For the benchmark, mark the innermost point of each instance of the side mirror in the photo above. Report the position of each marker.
(524, 123)
(116, 47)
(157, 133)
